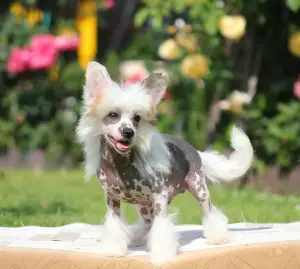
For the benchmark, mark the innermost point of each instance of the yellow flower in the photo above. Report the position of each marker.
(187, 41)
(54, 72)
(169, 50)
(232, 27)
(172, 29)
(235, 102)
(16, 8)
(34, 16)
(195, 66)
(294, 44)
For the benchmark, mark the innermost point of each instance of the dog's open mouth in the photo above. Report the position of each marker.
(121, 145)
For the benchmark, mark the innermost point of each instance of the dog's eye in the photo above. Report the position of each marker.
(113, 115)
(137, 118)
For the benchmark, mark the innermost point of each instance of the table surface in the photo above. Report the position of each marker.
(86, 238)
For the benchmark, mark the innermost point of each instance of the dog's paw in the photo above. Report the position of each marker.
(162, 257)
(215, 237)
(113, 250)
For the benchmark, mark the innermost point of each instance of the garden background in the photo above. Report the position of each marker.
(228, 62)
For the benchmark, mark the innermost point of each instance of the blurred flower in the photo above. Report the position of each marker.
(195, 66)
(69, 116)
(17, 62)
(43, 52)
(187, 28)
(233, 27)
(34, 16)
(134, 78)
(109, 3)
(187, 41)
(54, 72)
(169, 50)
(294, 44)
(20, 118)
(17, 9)
(67, 42)
(167, 95)
(133, 71)
(297, 88)
(172, 29)
(70, 101)
(235, 102)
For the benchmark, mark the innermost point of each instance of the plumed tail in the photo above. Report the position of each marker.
(218, 168)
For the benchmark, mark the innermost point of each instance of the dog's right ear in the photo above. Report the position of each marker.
(97, 80)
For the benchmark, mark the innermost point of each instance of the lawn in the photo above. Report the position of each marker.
(61, 197)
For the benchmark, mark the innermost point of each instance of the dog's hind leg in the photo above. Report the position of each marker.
(115, 239)
(140, 230)
(214, 221)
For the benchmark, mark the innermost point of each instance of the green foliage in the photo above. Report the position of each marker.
(39, 111)
(276, 139)
(272, 119)
(293, 5)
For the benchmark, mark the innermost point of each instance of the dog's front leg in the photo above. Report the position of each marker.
(162, 237)
(115, 238)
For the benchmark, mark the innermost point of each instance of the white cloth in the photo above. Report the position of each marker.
(87, 238)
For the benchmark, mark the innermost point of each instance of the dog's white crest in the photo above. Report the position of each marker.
(152, 153)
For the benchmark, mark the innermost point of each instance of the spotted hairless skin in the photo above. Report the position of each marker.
(122, 181)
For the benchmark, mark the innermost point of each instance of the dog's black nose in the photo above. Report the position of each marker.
(128, 132)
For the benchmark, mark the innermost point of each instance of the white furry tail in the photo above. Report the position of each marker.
(219, 168)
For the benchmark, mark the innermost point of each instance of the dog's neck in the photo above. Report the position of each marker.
(150, 162)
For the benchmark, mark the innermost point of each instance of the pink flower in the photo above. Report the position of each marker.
(18, 60)
(67, 42)
(43, 52)
(134, 78)
(109, 3)
(297, 88)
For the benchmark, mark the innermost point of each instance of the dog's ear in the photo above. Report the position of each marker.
(155, 85)
(97, 79)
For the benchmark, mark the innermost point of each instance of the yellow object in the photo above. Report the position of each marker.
(87, 27)
(34, 16)
(294, 44)
(67, 31)
(233, 27)
(187, 41)
(54, 72)
(17, 9)
(172, 29)
(195, 66)
(169, 50)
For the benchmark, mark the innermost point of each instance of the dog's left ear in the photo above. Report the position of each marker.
(155, 85)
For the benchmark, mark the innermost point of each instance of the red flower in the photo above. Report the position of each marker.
(18, 60)
(43, 52)
(167, 95)
(109, 3)
(297, 88)
(67, 42)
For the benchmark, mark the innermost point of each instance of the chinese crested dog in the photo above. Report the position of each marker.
(136, 164)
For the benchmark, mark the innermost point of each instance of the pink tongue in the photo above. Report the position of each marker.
(121, 146)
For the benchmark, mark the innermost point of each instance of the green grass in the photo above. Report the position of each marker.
(61, 197)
